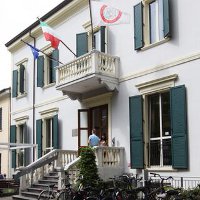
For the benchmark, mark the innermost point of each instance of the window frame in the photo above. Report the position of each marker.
(47, 83)
(47, 115)
(160, 85)
(96, 30)
(21, 121)
(46, 134)
(142, 33)
(23, 62)
(161, 137)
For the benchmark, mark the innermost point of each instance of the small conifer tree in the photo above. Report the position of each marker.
(88, 167)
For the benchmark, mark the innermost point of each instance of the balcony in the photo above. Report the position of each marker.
(91, 74)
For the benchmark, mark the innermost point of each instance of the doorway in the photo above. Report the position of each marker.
(95, 117)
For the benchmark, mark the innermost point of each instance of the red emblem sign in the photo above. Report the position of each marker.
(109, 14)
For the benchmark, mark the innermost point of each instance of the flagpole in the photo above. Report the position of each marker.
(62, 42)
(68, 48)
(91, 24)
(44, 53)
(34, 64)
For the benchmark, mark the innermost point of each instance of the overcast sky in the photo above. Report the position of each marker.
(15, 16)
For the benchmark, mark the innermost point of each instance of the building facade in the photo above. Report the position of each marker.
(5, 130)
(138, 87)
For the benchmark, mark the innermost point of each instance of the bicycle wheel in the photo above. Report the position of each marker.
(64, 196)
(44, 195)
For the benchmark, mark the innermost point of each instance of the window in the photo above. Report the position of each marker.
(1, 119)
(84, 40)
(18, 82)
(21, 139)
(19, 134)
(151, 22)
(47, 133)
(158, 129)
(46, 72)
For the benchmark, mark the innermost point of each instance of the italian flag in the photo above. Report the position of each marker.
(50, 35)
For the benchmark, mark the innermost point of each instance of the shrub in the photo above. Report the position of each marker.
(88, 167)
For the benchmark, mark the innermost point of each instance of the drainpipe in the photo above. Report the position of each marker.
(9, 124)
(34, 43)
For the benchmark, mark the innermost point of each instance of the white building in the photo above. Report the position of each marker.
(141, 93)
(4, 130)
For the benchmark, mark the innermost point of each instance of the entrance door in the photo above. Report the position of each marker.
(83, 127)
(99, 120)
(96, 117)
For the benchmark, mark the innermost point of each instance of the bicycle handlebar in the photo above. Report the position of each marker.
(162, 178)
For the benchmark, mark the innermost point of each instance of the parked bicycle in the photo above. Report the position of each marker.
(161, 193)
(49, 193)
(67, 193)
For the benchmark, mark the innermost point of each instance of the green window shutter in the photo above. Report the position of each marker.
(81, 44)
(26, 150)
(15, 83)
(55, 132)
(39, 136)
(21, 78)
(179, 127)
(40, 71)
(103, 38)
(55, 55)
(138, 26)
(136, 132)
(13, 140)
(166, 18)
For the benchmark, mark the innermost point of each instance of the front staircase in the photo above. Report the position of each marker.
(51, 168)
(33, 192)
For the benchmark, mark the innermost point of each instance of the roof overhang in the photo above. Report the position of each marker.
(61, 12)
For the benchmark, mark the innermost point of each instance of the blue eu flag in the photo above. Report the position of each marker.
(34, 50)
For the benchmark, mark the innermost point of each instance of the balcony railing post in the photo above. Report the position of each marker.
(59, 160)
(116, 67)
(23, 184)
(181, 182)
(99, 156)
(121, 158)
(94, 63)
(61, 177)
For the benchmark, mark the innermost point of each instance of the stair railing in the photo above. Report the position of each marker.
(56, 159)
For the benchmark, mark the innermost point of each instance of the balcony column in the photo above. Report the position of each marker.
(99, 156)
(95, 61)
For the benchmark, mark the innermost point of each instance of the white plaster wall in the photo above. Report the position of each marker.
(185, 42)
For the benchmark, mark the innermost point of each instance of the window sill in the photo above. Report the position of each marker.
(21, 95)
(149, 46)
(49, 85)
(161, 169)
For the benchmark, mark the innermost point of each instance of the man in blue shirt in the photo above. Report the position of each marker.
(93, 139)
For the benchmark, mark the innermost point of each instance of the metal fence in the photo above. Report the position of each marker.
(183, 182)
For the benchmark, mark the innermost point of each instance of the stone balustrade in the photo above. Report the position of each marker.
(94, 62)
(110, 162)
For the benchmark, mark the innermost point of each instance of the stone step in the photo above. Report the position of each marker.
(30, 194)
(34, 189)
(19, 197)
(42, 185)
(48, 181)
(50, 177)
(54, 173)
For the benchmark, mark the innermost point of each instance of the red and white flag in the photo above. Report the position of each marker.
(50, 35)
(105, 15)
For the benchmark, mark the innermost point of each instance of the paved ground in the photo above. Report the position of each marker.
(6, 198)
